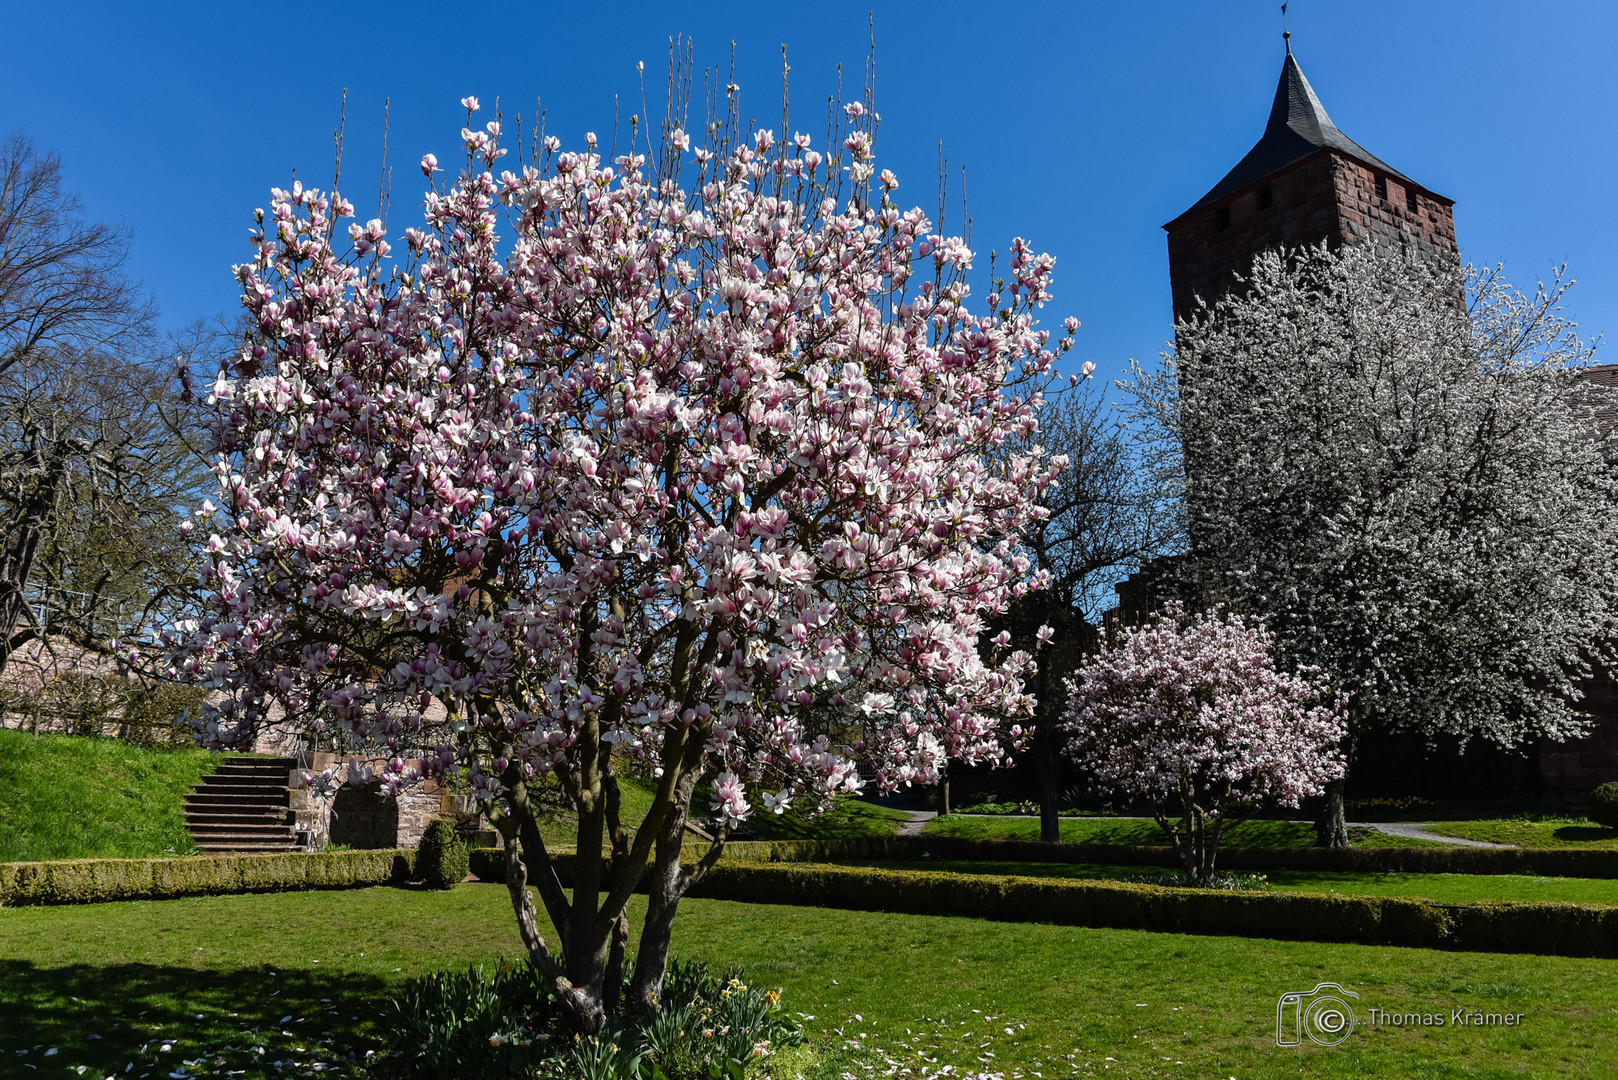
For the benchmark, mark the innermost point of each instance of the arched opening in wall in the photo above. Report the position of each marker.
(364, 818)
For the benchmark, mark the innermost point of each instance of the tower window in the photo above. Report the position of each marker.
(1266, 197)
(1382, 188)
(1410, 198)
(1221, 218)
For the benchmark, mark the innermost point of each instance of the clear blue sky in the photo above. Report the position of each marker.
(1083, 126)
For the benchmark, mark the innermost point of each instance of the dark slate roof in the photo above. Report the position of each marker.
(1298, 127)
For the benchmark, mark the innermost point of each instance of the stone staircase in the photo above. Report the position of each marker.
(244, 805)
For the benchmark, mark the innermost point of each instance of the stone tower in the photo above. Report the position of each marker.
(1303, 182)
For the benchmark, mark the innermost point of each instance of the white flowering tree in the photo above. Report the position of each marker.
(1190, 716)
(1394, 468)
(628, 465)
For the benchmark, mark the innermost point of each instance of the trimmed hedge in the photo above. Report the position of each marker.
(780, 873)
(488, 864)
(88, 881)
(1539, 862)
(1489, 926)
(1480, 926)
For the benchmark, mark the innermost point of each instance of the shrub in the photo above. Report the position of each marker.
(441, 861)
(453, 1024)
(706, 1027)
(1604, 805)
(77, 703)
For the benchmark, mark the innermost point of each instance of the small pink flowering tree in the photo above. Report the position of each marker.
(693, 475)
(1188, 715)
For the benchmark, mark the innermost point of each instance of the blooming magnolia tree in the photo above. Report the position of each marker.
(1190, 716)
(695, 457)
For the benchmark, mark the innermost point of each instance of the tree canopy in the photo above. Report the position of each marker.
(698, 456)
(1396, 470)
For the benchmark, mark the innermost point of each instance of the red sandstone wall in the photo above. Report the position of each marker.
(1568, 771)
(1203, 257)
(417, 805)
(1363, 215)
(1323, 197)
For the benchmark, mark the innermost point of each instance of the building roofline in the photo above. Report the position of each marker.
(1235, 193)
(1298, 129)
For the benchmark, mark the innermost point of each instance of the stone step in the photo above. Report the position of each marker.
(222, 848)
(245, 816)
(244, 805)
(279, 774)
(241, 829)
(278, 779)
(248, 791)
(239, 791)
(227, 798)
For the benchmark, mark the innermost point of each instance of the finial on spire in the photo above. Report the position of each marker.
(1286, 35)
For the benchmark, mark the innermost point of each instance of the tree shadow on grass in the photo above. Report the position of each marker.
(1585, 833)
(103, 1016)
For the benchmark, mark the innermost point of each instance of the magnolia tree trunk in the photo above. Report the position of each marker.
(592, 923)
(1196, 832)
(1197, 856)
(669, 882)
(1197, 844)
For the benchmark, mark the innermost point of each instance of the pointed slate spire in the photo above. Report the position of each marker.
(1298, 127)
(1297, 108)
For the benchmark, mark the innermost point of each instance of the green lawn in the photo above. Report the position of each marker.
(1444, 888)
(848, 818)
(1554, 832)
(1100, 830)
(1059, 1001)
(560, 828)
(73, 797)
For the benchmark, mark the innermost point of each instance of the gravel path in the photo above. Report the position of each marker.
(1418, 830)
(917, 818)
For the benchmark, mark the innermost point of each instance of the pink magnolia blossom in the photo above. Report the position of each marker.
(1190, 716)
(676, 463)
